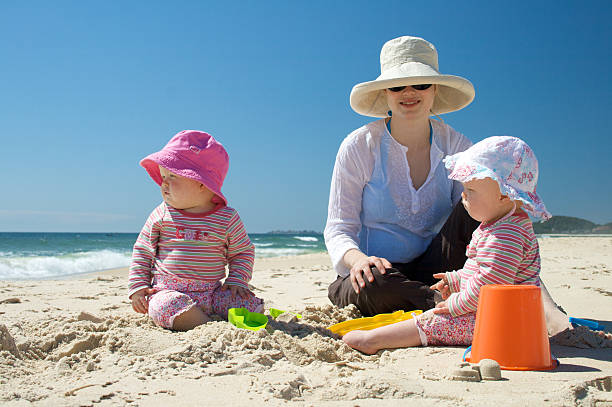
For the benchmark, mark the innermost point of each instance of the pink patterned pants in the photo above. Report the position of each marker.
(175, 295)
(445, 329)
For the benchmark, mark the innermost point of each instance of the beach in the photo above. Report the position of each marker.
(77, 342)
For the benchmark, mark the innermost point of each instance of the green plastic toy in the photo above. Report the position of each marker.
(243, 318)
(276, 312)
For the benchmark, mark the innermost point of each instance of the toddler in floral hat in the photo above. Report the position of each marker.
(499, 177)
(180, 256)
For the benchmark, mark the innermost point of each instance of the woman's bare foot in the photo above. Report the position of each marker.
(361, 341)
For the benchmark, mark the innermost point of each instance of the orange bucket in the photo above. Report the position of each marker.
(511, 328)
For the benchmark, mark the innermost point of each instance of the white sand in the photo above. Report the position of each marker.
(77, 342)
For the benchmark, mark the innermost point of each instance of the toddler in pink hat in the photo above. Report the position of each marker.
(181, 253)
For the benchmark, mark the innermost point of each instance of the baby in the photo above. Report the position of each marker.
(180, 256)
(499, 176)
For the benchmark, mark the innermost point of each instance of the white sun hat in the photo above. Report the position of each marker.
(507, 160)
(406, 61)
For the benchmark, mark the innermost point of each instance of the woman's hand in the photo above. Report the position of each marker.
(441, 308)
(360, 266)
(442, 285)
(236, 290)
(140, 301)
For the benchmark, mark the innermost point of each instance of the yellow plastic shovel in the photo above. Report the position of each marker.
(367, 323)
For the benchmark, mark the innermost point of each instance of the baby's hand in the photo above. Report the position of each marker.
(441, 308)
(442, 285)
(234, 289)
(140, 303)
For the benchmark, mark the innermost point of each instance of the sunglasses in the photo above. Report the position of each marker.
(416, 87)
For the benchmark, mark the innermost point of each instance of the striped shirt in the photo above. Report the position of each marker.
(192, 246)
(504, 252)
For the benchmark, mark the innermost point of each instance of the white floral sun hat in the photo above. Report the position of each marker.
(406, 61)
(507, 160)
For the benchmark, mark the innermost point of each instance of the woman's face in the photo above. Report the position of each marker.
(410, 103)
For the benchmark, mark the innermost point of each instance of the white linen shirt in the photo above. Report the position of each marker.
(373, 205)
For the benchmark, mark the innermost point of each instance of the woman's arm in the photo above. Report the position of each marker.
(352, 171)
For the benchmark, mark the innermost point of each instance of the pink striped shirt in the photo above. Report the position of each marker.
(193, 246)
(504, 252)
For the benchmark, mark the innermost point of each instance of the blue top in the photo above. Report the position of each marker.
(373, 204)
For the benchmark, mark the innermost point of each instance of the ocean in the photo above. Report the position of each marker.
(26, 256)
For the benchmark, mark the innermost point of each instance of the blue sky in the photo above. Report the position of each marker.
(90, 88)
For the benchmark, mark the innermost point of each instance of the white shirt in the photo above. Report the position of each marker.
(373, 206)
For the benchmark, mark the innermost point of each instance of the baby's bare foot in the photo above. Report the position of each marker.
(360, 340)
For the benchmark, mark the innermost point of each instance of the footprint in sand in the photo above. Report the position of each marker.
(590, 389)
(11, 301)
(600, 290)
(7, 343)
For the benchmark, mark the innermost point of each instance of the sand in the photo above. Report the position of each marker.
(77, 342)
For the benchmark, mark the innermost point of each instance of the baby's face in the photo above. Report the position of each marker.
(183, 193)
(483, 199)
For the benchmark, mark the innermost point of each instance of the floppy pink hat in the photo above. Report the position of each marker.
(192, 154)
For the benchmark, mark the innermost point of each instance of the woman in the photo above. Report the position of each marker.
(394, 217)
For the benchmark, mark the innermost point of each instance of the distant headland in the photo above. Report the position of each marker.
(570, 225)
(556, 224)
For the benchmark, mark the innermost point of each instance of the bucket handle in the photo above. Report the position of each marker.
(469, 349)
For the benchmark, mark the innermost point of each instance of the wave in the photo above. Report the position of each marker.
(281, 252)
(35, 267)
(41, 267)
(263, 244)
(306, 238)
(302, 245)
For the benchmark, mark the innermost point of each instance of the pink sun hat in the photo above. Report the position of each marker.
(192, 154)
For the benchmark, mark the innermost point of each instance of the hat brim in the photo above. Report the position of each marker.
(454, 93)
(180, 167)
(464, 171)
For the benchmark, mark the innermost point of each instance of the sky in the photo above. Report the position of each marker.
(87, 89)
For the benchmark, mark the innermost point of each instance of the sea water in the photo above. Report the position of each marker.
(53, 255)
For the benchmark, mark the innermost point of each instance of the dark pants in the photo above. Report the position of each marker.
(406, 285)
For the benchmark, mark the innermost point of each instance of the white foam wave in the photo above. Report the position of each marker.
(306, 238)
(58, 266)
(301, 245)
(262, 244)
(279, 252)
